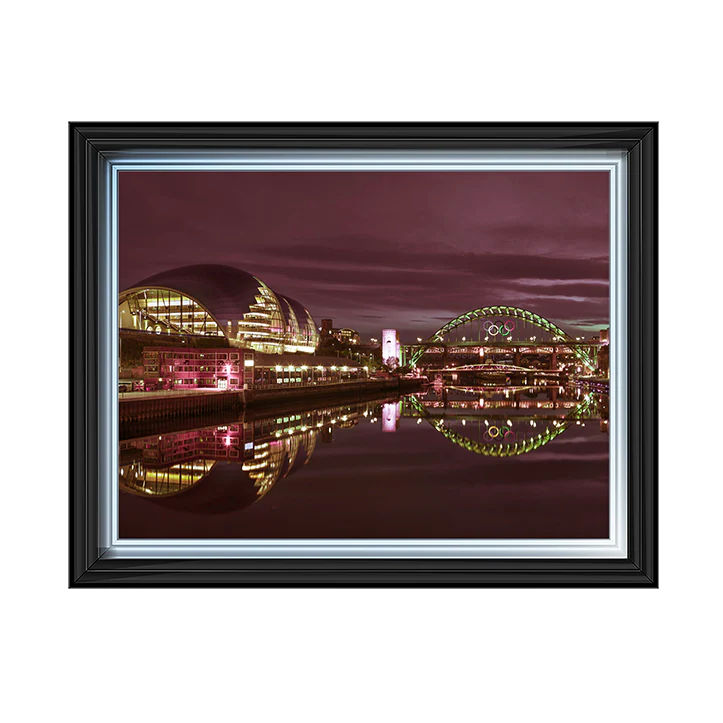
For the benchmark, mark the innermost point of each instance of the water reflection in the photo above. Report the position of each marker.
(228, 467)
(505, 421)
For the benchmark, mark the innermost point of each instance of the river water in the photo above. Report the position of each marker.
(452, 462)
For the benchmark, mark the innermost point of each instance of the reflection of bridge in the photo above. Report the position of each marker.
(500, 435)
(494, 330)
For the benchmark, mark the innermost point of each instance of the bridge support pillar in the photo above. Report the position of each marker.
(518, 358)
(553, 360)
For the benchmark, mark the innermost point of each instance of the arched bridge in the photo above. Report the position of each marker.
(500, 324)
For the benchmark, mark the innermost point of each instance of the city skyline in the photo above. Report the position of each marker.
(374, 250)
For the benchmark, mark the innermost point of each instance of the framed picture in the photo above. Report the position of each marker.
(363, 355)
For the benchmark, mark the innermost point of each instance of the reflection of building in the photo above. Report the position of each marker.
(391, 349)
(161, 467)
(229, 466)
(218, 301)
(390, 416)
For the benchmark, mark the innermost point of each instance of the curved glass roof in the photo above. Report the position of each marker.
(244, 307)
(227, 292)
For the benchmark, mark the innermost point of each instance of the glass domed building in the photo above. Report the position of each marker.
(218, 301)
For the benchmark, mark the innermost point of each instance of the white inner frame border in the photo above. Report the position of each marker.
(613, 162)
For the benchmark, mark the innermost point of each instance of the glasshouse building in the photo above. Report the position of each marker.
(218, 301)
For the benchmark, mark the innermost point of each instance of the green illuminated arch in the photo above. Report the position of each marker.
(502, 449)
(510, 312)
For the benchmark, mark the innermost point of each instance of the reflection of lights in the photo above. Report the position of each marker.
(419, 421)
(464, 422)
(508, 422)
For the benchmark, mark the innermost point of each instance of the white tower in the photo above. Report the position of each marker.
(391, 349)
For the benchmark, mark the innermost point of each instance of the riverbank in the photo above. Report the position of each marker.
(151, 406)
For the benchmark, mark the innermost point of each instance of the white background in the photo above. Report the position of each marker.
(357, 655)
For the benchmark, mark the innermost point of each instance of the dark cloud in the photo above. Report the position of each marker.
(373, 250)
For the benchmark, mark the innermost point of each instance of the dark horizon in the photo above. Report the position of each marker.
(371, 250)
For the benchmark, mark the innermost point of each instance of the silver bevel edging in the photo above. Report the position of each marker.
(113, 548)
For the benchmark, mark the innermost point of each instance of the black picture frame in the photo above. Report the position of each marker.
(89, 145)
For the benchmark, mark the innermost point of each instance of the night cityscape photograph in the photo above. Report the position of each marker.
(350, 355)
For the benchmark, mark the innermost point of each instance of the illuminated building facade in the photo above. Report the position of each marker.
(347, 336)
(229, 368)
(391, 348)
(182, 368)
(218, 301)
(288, 370)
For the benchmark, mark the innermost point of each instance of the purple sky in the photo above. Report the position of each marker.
(375, 250)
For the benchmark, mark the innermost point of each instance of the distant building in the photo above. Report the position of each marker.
(327, 327)
(344, 336)
(605, 336)
(347, 336)
(391, 348)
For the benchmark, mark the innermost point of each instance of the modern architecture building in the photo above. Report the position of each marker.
(218, 301)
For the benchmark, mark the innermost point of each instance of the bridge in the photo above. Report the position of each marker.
(509, 330)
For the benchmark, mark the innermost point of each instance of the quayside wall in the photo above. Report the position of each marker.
(149, 406)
